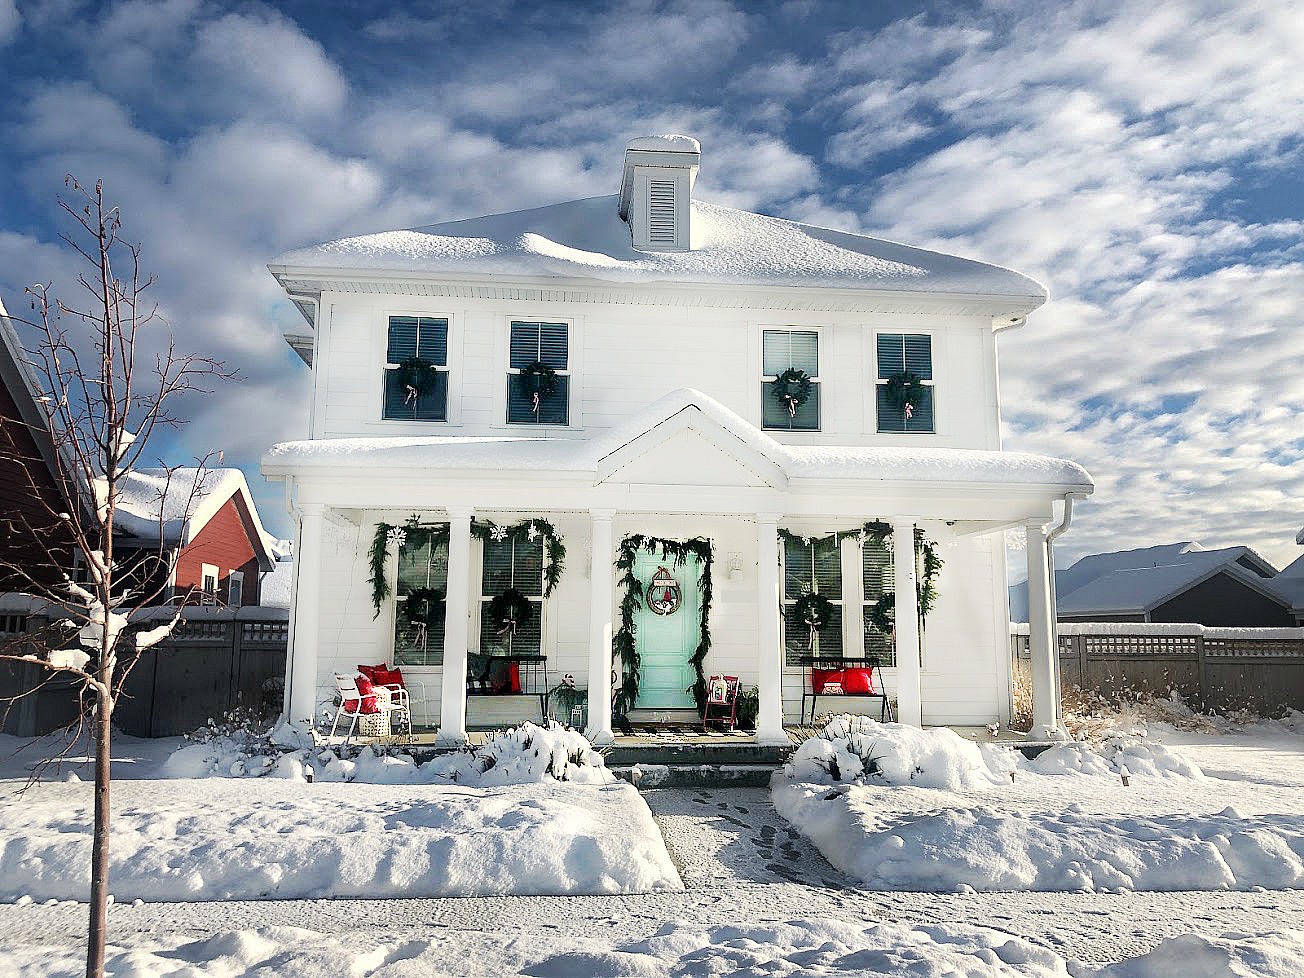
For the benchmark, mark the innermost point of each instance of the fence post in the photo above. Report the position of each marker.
(1080, 642)
(1202, 670)
(237, 655)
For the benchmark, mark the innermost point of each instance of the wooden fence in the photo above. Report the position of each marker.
(1216, 669)
(216, 660)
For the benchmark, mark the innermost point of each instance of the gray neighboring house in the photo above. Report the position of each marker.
(1179, 582)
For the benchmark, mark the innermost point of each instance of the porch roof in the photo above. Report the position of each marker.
(677, 410)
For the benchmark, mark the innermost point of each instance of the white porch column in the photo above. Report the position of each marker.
(301, 696)
(457, 607)
(1041, 641)
(910, 700)
(600, 628)
(769, 648)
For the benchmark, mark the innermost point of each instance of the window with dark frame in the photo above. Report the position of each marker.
(422, 563)
(512, 563)
(814, 566)
(879, 576)
(548, 344)
(900, 354)
(781, 350)
(426, 338)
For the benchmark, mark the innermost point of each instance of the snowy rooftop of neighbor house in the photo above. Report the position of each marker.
(587, 240)
(941, 465)
(669, 143)
(181, 502)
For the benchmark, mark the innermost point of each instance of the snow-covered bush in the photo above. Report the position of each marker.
(1119, 753)
(855, 748)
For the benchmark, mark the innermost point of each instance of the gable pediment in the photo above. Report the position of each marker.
(688, 449)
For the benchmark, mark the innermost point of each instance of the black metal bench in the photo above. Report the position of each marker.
(810, 663)
(532, 669)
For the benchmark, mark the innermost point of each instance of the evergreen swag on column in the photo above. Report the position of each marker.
(624, 643)
(417, 534)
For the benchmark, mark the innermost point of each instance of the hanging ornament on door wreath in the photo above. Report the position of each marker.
(540, 381)
(905, 389)
(792, 389)
(664, 594)
(509, 611)
(815, 612)
(416, 378)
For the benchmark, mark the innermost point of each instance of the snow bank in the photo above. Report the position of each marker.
(796, 949)
(903, 808)
(527, 754)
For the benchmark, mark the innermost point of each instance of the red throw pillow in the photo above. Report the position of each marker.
(393, 677)
(505, 677)
(820, 677)
(368, 691)
(371, 671)
(858, 681)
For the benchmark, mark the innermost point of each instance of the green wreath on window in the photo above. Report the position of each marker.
(540, 381)
(814, 611)
(881, 615)
(509, 611)
(905, 389)
(792, 389)
(416, 378)
(422, 608)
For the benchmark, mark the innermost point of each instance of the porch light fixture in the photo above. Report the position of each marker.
(735, 568)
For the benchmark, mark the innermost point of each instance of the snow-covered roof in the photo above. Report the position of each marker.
(1137, 581)
(274, 586)
(669, 143)
(586, 240)
(150, 499)
(527, 454)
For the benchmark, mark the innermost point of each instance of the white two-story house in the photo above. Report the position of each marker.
(643, 440)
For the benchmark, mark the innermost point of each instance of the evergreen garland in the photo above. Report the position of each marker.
(555, 548)
(623, 644)
(379, 581)
(792, 389)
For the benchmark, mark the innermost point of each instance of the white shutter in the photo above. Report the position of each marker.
(661, 211)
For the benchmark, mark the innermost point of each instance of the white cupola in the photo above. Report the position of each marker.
(656, 191)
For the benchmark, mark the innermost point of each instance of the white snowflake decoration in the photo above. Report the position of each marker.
(396, 536)
(532, 532)
(498, 533)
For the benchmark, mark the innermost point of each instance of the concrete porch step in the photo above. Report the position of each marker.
(646, 776)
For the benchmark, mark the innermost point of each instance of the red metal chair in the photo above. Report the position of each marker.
(721, 699)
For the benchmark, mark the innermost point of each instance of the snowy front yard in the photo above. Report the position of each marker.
(936, 812)
(279, 837)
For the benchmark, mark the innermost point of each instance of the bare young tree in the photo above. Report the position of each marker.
(108, 376)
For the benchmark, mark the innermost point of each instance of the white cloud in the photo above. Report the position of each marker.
(10, 21)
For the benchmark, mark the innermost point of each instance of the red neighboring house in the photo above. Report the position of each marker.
(219, 550)
(213, 539)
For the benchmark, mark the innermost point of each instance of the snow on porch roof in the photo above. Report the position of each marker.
(941, 465)
(585, 239)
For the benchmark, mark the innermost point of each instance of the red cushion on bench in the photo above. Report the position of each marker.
(858, 682)
(821, 677)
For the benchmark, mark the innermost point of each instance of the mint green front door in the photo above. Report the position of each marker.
(665, 643)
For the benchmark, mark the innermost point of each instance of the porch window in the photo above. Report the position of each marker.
(422, 563)
(904, 357)
(878, 576)
(814, 566)
(532, 396)
(516, 564)
(783, 350)
(426, 339)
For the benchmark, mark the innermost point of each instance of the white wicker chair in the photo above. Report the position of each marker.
(389, 700)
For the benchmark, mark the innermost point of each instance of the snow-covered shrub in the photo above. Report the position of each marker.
(856, 748)
(529, 753)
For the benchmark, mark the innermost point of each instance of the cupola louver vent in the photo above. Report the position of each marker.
(661, 211)
(656, 191)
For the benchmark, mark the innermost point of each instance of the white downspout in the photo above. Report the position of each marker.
(1051, 536)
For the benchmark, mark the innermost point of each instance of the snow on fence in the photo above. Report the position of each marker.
(1217, 668)
(216, 660)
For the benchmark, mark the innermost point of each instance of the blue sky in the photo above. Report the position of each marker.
(1143, 160)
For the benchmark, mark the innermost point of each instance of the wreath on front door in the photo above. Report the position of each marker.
(540, 381)
(416, 378)
(905, 389)
(792, 389)
(509, 611)
(814, 611)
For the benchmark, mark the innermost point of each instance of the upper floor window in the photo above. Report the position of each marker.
(235, 588)
(790, 385)
(538, 378)
(416, 374)
(208, 583)
(904, 389)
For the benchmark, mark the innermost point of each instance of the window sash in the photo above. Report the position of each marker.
(897, 352)
(420, 565)
(548, 343)
(878, 574)
(519, 564)
(411, 336)
(807, 567)
(781, 350)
